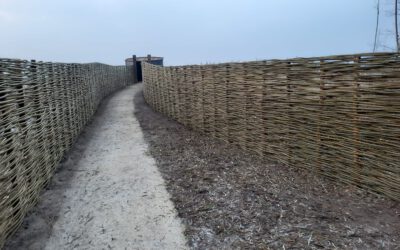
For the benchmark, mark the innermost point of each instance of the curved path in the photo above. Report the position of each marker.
(107, 194)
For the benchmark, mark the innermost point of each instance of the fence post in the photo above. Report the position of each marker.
(356, 131)
(134, 69)
(321, 110)
(289, 90)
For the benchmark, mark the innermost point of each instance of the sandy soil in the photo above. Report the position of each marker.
(107, 194)
(230, 199)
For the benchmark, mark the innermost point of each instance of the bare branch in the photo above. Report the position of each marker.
(377, 25)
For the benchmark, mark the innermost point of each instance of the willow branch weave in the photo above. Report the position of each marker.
(43, 108)
(338, 116)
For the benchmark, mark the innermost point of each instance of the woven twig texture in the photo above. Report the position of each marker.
(338, 116)
(43, 108)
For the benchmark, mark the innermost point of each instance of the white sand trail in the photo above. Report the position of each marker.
(108, 194)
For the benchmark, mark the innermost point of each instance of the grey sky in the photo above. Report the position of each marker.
(184, 31)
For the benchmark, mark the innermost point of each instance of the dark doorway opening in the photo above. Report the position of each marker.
(136, 62)
(139, 71)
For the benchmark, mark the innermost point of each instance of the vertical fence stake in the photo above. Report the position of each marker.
(321, 110)
(290, 106)
(356, 131)
(134, 69)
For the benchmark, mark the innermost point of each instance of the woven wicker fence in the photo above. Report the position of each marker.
(338, 116)
(43, 108)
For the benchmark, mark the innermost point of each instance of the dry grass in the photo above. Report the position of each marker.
(230, 199)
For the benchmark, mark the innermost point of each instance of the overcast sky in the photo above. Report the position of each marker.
(184, 31)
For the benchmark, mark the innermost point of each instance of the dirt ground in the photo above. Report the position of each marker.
(230, 199)
(107, 194)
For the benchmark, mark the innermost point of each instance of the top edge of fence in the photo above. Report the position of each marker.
(294, 59)
(16, 60)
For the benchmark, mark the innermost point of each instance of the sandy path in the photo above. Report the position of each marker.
(108, 194)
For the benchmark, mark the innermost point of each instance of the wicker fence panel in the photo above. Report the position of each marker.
(338, 116)
(43, 108)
